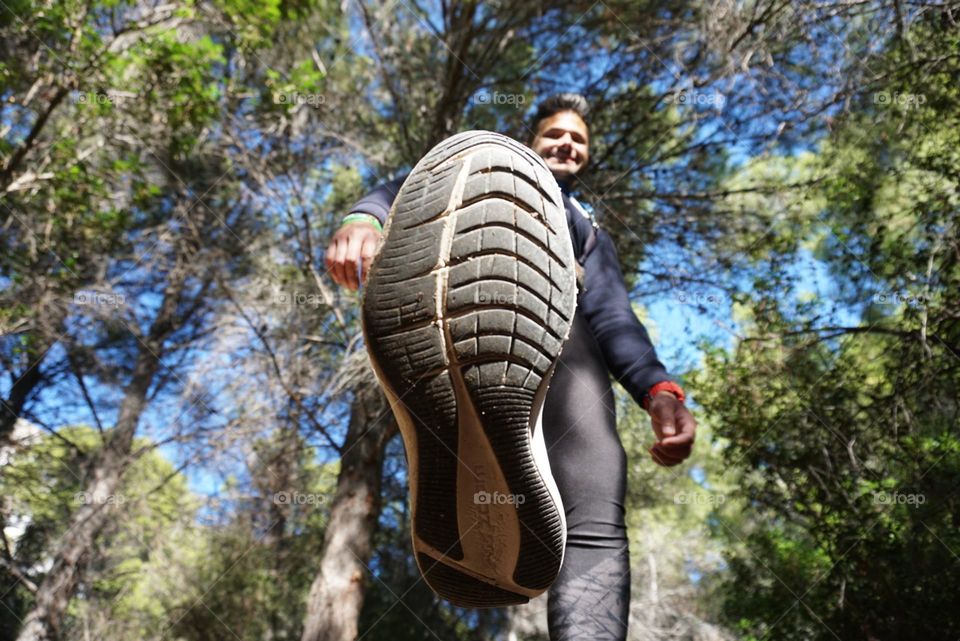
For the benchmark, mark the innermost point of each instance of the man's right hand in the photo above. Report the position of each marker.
(352, 243)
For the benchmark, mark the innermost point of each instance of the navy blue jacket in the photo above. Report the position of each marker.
(603, 301)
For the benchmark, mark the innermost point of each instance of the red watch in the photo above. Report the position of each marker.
(663, 386)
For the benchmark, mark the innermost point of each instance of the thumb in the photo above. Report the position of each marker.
(669, 429)
(661, 411)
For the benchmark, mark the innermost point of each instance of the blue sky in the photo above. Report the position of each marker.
(677, 326)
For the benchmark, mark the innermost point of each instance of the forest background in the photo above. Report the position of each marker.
(191, 443)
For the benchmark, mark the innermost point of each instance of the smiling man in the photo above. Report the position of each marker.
(562, 140)
(477, 286)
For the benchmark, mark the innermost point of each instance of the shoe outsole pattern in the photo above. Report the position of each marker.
(466, 308)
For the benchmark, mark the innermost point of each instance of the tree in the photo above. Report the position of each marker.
(841, 414)
(63, 138)
(170, 174)
(43, 487)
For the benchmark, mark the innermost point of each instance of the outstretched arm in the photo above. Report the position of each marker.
(356, 240)
(630, 354)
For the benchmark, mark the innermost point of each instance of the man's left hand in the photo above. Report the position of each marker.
(675, 428)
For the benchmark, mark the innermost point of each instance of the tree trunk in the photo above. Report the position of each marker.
(105, 471)
(43, 621)
(12, 407)
(336, 596)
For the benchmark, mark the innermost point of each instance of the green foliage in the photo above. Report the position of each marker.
(45, 484)
(669, 512)
(248, 576)
(246, 129)
(254, 21)
(845, 438)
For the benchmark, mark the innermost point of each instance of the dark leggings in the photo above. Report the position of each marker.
(590, 599)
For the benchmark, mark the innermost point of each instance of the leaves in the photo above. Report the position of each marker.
(796, 161)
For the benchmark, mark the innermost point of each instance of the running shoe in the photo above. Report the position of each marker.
(467, 306)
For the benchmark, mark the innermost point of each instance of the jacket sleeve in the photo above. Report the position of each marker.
(379, 201)
(623, 339)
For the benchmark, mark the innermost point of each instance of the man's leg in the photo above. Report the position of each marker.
(590, 599)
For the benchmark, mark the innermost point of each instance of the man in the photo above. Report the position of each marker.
(474, 279)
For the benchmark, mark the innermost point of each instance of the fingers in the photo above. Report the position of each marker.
(664, 458)
(664, 421)
(686, 429)
(662, 409)
(351, 256)
(367, 251)
(675, 428)
(336, 255)
(353, 244)
(333, 267)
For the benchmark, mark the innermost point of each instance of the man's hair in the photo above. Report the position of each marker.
(562, 102)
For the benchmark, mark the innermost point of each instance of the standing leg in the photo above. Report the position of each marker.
(590, 599)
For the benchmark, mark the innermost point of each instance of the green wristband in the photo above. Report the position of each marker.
(362, 218)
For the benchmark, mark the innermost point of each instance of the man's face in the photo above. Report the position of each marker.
(563, 142)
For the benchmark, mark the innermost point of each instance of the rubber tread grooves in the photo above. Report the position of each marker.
(501, 195)
(522, 176)
(520, 232)
(541, 530)
(400, 314)
(500, 252)
(520, 286)
(527, 341)
(466, 311)
(494, 195)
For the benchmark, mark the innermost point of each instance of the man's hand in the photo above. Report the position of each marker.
(675, 428)
(352, 243)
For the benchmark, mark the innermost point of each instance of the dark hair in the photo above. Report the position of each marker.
(562, 102)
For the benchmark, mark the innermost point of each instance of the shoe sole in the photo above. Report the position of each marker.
(467, 306)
